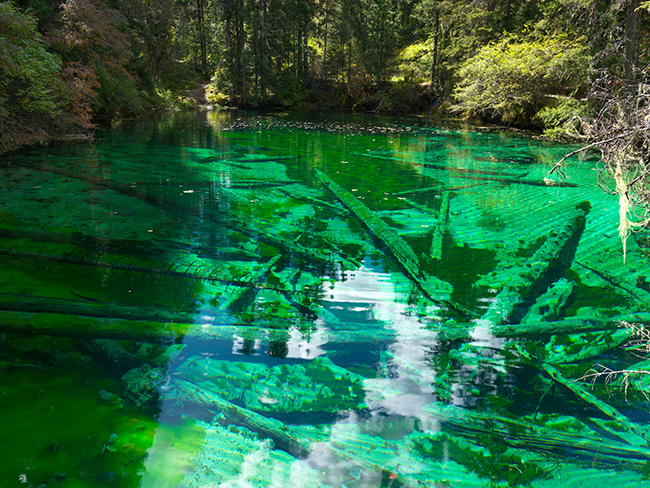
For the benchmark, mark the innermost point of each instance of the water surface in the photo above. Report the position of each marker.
(238, 299)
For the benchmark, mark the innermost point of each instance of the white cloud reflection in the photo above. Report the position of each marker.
(394, 399)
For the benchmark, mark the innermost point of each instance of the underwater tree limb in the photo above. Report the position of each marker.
(543, 268)
(530, 436)
(577, 388)
(432, 287)
(223, 327)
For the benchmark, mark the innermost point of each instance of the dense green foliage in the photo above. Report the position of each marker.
(511, 80)
(506, 61)
(30, 90)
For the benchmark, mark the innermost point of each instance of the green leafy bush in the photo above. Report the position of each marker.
(415, 62)
(510, 80)
(41, 97)
(29, 83)
(563, 120)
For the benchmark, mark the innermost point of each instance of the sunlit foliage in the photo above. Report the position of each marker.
(509, 80)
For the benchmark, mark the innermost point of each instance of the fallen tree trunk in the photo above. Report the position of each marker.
(371, 452)
(434, 288)
(466, 172)
(223, 327)
(288, 246)
(281, 434)
(166, 269)
(529, 436)
(546, 266)
(564, 326)
(377, 227)
(88, 307)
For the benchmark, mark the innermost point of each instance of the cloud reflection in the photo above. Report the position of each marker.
(394, 398)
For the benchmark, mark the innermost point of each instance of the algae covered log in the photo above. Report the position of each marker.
(543, 268)
(520, 433)
(289, 247)
(89, 307)
(184, 391)
(223, 327)
(433, 287)
(399, 248)
(439, 228)
(541, 328)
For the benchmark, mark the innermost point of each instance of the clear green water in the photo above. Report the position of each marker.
(191, 302)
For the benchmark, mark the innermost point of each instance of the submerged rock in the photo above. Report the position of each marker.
(141, 385)
(319, 386)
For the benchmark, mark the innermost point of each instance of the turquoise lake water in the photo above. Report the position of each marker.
(232, 299)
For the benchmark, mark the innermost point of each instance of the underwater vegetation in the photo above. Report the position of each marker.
(238, 300)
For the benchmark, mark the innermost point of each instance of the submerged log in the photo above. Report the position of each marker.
(529, 436)
(546, 266)
(284, 439)
(288, 246)
(587, 396)
(222, 326)
(465, 173)
(439, 228)
(371, 452)
(378, 228)
(88, 307)
(462, 173)
(432, 287)
(538, 328)
(159, 268)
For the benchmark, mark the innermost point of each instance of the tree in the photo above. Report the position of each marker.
(35, 101)
(620, 129)
(153, 24)
(509, 81)
(95, 53)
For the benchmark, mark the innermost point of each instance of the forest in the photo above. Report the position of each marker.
(568, 69)
(534, 64)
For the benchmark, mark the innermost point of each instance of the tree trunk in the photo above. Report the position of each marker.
(202, 43)
(434, 63)
(229, 58)
(632, 34)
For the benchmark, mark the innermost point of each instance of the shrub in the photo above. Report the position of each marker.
(33, 93)
(565, 120)
(508, 81)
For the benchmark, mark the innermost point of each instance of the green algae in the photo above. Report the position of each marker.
(183, 303)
